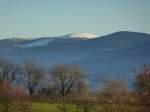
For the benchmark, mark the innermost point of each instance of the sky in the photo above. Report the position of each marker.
(39, 18)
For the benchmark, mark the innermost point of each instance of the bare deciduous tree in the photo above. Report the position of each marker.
(66, 79)
(142, 87)
(33, 74)
(114, 97)
(7, 70)
(13, 98)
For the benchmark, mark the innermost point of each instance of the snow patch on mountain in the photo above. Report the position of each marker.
(83, 35)
(36, 43)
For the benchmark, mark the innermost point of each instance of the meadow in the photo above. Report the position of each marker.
(51, 107)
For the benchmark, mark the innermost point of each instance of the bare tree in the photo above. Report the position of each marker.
(114, 97)
(8, 70)
(13, 98)
(142, 87)
(33, 74)
(66, 79)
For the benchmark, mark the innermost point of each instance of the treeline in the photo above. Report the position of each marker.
(27, 82)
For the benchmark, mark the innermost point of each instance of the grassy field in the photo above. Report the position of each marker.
(50, 107)
(54, 107)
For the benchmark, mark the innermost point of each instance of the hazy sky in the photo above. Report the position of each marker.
(36, 18)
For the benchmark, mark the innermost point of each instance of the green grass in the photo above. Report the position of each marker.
(44, 107)
(50, 107)
(54, 107)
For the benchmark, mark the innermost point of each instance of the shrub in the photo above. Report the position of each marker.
(13, 98)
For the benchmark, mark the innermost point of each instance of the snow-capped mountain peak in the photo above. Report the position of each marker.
(83, 35)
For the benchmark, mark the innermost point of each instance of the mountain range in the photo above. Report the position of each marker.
(117, 55)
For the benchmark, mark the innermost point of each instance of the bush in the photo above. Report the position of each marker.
(142, 88)
(13, 98)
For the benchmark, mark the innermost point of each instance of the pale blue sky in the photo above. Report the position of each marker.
(36, 18)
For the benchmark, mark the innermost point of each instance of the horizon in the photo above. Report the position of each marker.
(32, 19)
(97, 36)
